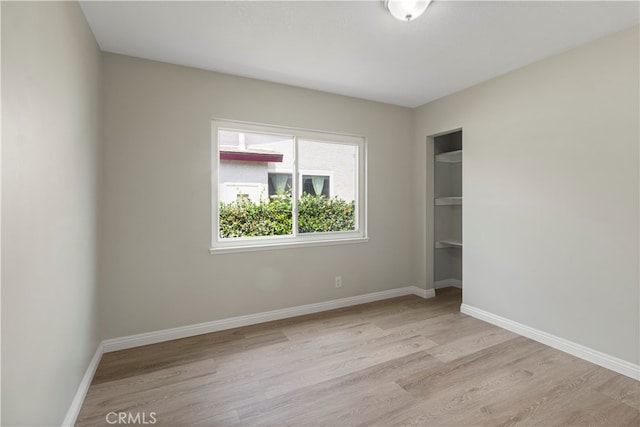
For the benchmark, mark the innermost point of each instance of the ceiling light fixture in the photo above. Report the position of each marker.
(406, 10)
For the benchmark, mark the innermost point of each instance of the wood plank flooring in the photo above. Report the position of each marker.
(404, 361)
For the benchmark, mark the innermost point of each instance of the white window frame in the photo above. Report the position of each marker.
(241, 244)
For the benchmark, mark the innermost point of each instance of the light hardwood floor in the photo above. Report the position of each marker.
(404, 361)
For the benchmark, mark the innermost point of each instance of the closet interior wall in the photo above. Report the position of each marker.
(448, 209)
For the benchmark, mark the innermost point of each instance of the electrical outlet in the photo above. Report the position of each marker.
(338, 281)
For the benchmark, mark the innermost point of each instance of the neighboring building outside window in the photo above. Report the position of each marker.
(256, 200)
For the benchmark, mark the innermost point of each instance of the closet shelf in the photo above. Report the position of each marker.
(450, 157)
(448, 244)
(449, 201)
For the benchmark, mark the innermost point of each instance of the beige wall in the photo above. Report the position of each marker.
(50, 134)
(551, 192)
(157, 270)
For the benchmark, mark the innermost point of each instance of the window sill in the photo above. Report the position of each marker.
(285, 245)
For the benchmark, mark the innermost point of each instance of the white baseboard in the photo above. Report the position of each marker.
(424, 293)
(447, 283)
(606, 361)
(138, 340)
(83, 388)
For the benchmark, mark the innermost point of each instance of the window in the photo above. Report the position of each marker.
(276, 186)
(316, 185)
(279, 184)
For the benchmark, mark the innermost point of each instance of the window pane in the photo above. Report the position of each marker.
(316, 185)
(328, 174)
(280, 184)
(252, 168)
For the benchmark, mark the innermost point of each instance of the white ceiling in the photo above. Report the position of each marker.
(355, 48)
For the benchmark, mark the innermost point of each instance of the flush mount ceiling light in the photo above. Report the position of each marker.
(406, 10)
